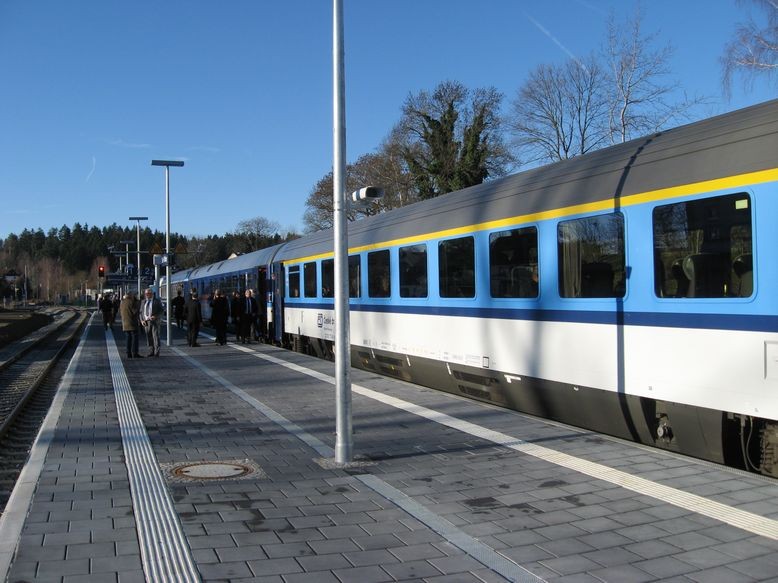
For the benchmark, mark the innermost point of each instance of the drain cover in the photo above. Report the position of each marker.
(213, 470)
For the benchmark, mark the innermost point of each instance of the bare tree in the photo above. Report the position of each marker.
(754, 49)
(256, 231)
(559, 112)
(640, 91)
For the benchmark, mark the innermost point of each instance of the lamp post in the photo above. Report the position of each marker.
(126, 264)
(343, 424)
(167, 164)
(137, 246)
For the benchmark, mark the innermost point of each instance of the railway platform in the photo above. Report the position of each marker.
(215, 463)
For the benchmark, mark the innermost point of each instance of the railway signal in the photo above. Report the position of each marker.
(101, 271)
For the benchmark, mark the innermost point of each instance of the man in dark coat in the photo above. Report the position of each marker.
(106, 307)
(220, 311)
(236, 310)
(194, 318)
(248, 315)
(178, 308)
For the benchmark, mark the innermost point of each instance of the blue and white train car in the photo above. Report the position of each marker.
(248, 271)
(632, 291)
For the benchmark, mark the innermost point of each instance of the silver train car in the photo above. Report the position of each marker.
(632, 291)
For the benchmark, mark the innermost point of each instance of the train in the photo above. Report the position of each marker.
(631, 291)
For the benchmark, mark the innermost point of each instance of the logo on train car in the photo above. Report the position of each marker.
(322, 321)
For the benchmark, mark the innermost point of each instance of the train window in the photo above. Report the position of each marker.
(513, 263)
(456, 268)
(703, 248)
(354, 277)
(591, 257)
(413, 271)
(379, 284)
(328, 278)
(294, 281)
(309, 279)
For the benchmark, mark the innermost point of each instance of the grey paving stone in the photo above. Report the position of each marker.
(416, 552)
(759, 569)
(623, 574)
(299, 549)
(224, 570)
(284, 566)
(314, 577)
(93, 550)
(664, 567)
(329, 562)
(244, 553)
(374, 557)
(94, 578)
(690, 540)
(611, 557)
(38, 553)
(719, 575)
(363, 575)
(570, 564)
(63, 568)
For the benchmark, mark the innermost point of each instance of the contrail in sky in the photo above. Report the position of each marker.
(556, 41)
(92, 171)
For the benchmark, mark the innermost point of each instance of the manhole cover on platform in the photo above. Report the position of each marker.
(212, 470)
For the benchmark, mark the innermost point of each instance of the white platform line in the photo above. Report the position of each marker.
(742, 519)
(164, 551)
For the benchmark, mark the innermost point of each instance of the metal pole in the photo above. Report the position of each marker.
(344, 437)
(137, 245)
(137, 248)
(167, 251)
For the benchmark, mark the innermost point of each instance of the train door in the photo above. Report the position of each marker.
(263, 302)
(277, 283)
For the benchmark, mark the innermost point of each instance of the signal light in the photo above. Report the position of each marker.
(101, 271)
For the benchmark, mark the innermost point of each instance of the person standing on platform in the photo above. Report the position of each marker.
(255, 323)
(248, 317)
(194, 318)
(178, 309)
(220, 311)
(129, 310)
(151, 311)
(115, 304)
(106, 308)
(236, 309)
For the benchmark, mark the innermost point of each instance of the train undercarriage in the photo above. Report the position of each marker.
(739, 441)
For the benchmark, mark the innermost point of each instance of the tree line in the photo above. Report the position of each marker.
(57, 263)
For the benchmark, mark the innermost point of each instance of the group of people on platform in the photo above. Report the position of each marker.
(140, 315)
(146, 315)
(244, 312)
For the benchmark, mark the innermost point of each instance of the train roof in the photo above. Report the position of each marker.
(732, 144)
(228, 266)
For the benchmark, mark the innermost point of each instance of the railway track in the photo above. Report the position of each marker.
(29, 374)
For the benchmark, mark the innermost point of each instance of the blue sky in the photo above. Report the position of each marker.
(241, 90)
